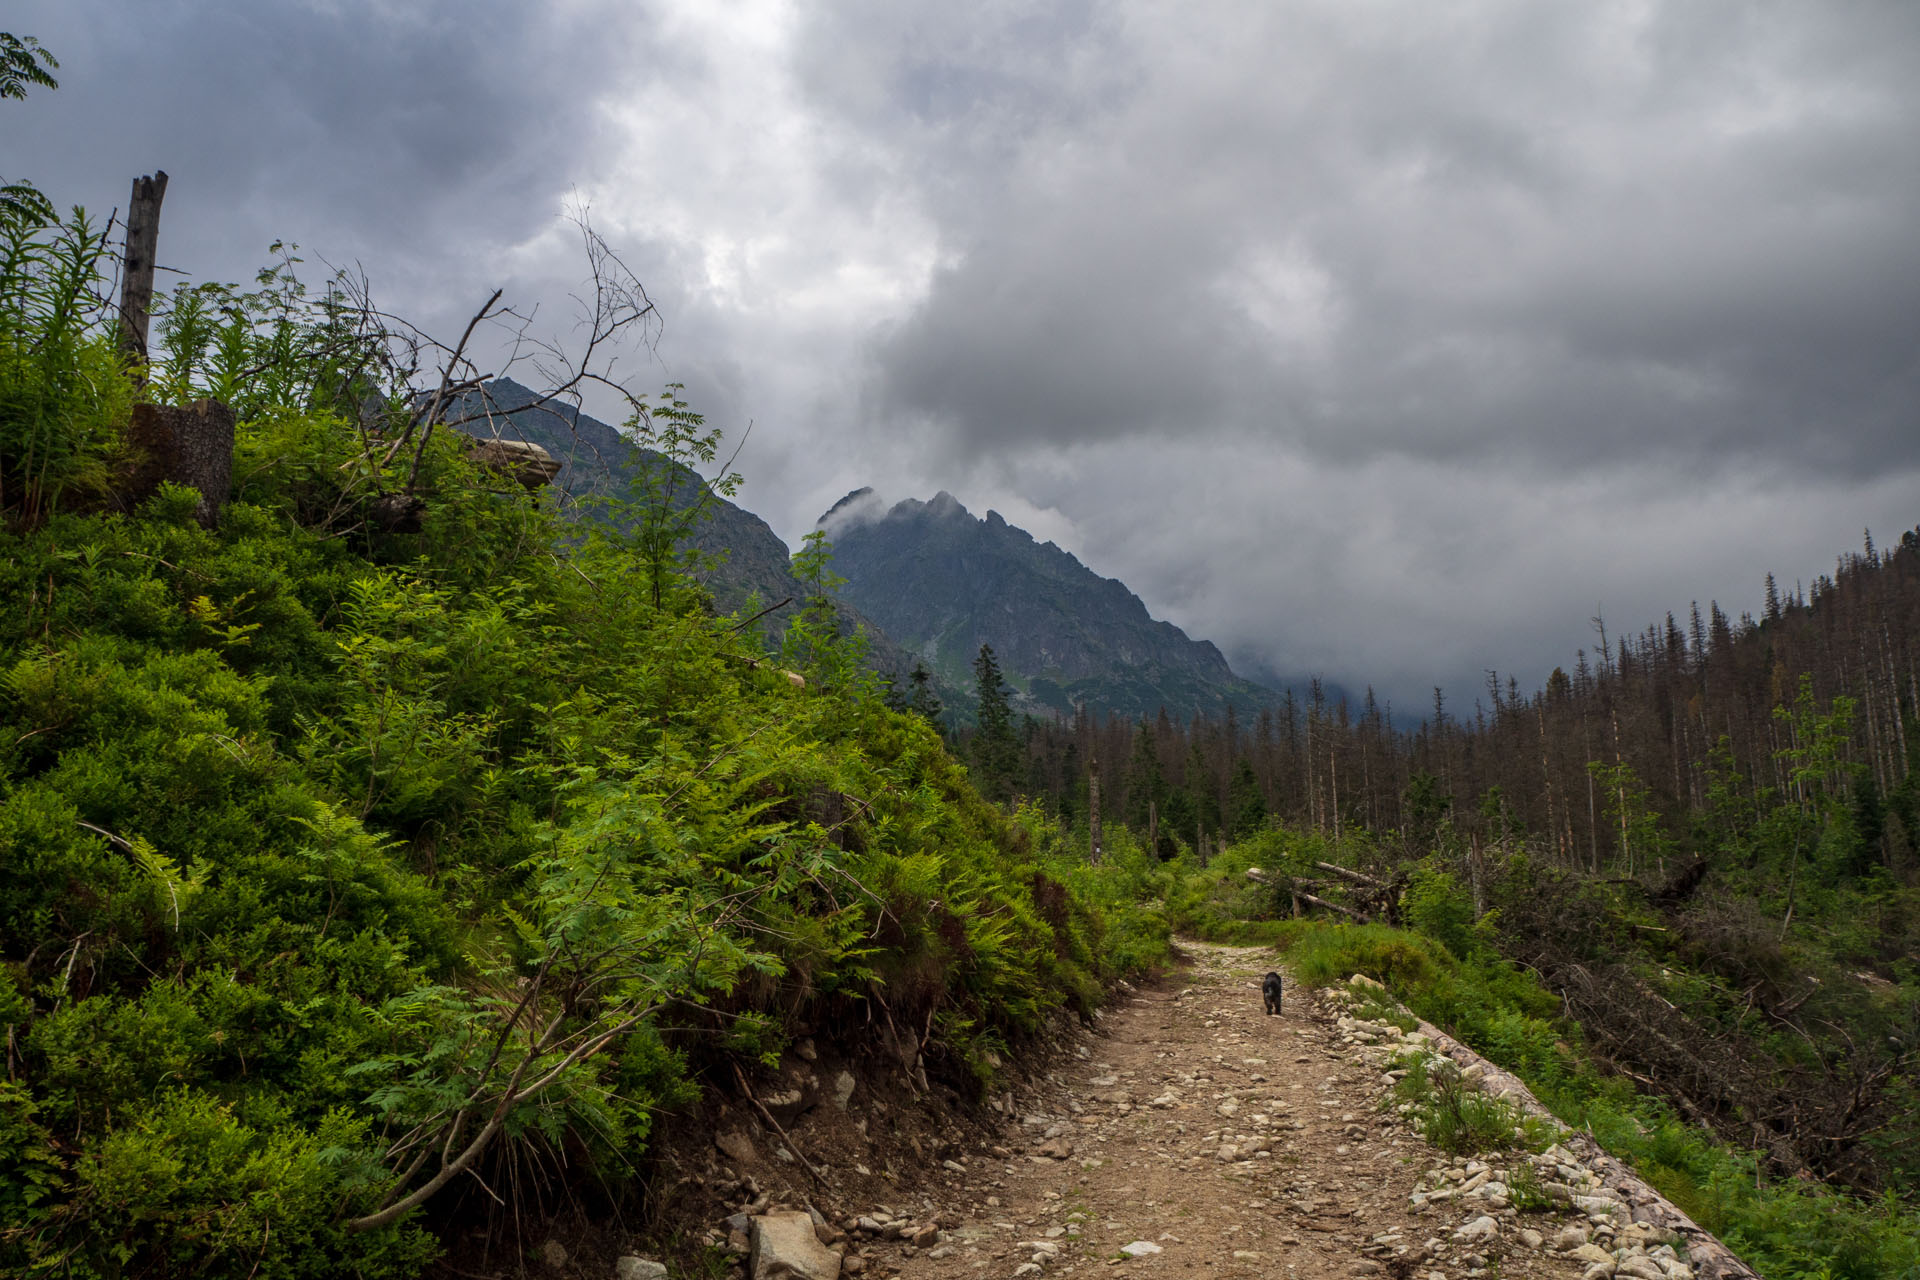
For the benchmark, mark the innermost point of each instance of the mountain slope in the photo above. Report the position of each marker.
(942, 582)
(593, 458)
(751, 561)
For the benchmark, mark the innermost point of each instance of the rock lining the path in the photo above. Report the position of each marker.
(1642, 1225)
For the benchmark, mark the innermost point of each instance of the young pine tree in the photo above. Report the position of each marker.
(921, 699)
(996, 749)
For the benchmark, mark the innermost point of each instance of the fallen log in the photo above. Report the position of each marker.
(1333, 906)
(1355, 876)
(1298, 890)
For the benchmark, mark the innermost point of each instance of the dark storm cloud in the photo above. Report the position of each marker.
(1458, 231)
(418, 136)
(1388, 339)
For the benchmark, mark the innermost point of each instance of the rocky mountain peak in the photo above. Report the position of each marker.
(942, 582)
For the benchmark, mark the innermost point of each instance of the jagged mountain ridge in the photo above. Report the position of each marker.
(942, 582)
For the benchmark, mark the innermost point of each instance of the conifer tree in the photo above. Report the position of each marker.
(996, 749)
(921, 699)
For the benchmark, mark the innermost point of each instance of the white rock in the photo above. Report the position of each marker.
(634, 1268)
(1599, 1206)
(1140, 1248)
(783, 1246)
(1570, 1238)
(1481, 1228)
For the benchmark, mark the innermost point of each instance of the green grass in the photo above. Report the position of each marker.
(1463, 1121)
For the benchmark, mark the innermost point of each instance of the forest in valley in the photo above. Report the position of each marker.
(1614, 766)
(1701, 841)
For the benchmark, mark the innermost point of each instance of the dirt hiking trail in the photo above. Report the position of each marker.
(1193, 1135)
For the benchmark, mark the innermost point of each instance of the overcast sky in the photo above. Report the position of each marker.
(1388, 341)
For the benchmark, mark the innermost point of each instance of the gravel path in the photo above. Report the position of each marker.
(1205, 1138)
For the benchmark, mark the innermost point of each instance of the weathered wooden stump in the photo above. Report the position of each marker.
(529, 464)
(397, 512)
(191, 445)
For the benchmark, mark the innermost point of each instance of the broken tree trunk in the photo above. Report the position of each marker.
(136, 271)
(1349, 912)
(1093, 812)
(1355, 876)
(190, 445)
(1297, 890)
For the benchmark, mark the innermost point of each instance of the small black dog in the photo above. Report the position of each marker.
(1270, 993)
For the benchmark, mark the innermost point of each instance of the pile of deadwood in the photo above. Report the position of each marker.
(1369, 899)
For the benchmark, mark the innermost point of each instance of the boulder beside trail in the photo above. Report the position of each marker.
(783, 1246)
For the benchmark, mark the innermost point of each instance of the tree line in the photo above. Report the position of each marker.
(1655, 743)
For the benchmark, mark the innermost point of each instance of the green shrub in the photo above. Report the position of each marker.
(182, 1186)
(63, 396)
(1438, 907)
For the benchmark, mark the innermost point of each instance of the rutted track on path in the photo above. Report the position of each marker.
(1218, 1141)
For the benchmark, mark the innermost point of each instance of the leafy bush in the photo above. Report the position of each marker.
(1435, 905)
(63, 398)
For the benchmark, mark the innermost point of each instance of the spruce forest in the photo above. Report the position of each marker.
(393, 858)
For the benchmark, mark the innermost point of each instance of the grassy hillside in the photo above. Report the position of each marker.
(742, 562)
(341, 859)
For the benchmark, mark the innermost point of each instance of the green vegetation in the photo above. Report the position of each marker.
(1459, 1120)
(1449, 969)
(994, 749)
(344, 861)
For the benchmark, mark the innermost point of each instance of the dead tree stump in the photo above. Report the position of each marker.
(190, 445)
(136, 273)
